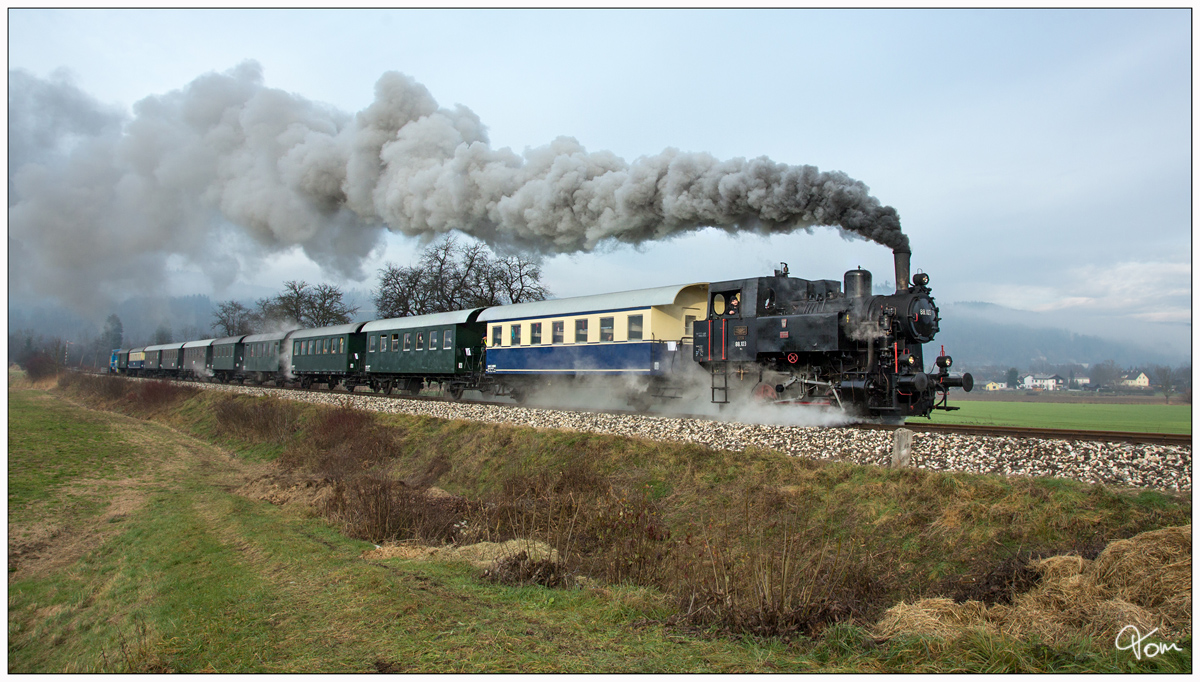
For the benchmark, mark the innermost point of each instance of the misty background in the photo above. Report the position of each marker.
(1037, 161)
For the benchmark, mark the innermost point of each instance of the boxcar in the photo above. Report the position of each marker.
(266, 356)
(632, 333)
(197, 359)
(327, 355)
(404, 352)
(227, 358)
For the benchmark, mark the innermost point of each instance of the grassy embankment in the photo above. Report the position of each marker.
(131, 549)
(1089, 416)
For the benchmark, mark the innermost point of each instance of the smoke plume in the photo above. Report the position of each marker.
(99, 199)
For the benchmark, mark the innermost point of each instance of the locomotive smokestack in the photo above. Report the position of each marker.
(902, 257)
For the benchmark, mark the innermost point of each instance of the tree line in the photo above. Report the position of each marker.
(447, 276)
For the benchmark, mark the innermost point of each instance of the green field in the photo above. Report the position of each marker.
(1087, 416)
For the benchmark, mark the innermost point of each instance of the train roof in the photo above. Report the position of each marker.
(273, 336)
(621, 300)
(199, 344)
(431, 320)
(327, 331)
(164, 346)
(226, 340)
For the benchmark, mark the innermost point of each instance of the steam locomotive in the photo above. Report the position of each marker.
(766, 340)
(810, 341)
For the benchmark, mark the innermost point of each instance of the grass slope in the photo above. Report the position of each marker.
(133, 552)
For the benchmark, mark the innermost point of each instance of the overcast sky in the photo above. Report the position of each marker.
(1037, 159)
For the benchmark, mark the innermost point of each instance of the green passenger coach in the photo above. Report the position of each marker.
(328, 355)
(402, 353)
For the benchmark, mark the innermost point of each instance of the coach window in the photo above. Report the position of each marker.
(556, 331)
(581, 331)
(407, 341)
(689, 325)
(495, 336)
(433, 340)
(515, 337)
(372, 348)
(606, 329)
(447, 340)
(341, 346)
(420, 340)
(396, 342)
(635, 327)
(535, 333)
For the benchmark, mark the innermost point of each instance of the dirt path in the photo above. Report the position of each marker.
(49, 535)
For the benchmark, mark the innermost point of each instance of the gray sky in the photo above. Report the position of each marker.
(1037, 159)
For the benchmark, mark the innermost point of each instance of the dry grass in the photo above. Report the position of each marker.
(1143, 581)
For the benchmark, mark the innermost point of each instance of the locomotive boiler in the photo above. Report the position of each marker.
(790, 340)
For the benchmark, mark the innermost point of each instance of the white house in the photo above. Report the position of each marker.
(1046, 382)
(1136, 380)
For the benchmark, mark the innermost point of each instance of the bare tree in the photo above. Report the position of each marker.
(290, 307)
(326, 308)
(233, 319)
(1164, 378)
(449, 276)
(1105, 374)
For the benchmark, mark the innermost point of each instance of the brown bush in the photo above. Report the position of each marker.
(267, 419)
(41, 365)
(374, 507)
(341, 444)
(105, 387)
(160, 394)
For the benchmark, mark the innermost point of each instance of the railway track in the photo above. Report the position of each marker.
(950, 429)
(1178, 439)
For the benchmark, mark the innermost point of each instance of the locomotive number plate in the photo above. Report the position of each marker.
(783, 335)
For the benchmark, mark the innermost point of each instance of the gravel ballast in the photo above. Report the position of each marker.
(1161, 467)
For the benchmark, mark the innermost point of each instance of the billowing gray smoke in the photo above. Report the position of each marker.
(98, 201)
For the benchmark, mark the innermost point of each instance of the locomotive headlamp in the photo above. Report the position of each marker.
(912, 360)
(944, 361)
(920, 279)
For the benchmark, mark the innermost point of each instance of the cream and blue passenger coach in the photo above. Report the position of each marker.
(632, 332)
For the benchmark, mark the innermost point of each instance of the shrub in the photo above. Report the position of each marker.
(41, 365)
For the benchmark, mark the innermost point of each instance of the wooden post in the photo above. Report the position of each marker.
(901, 448)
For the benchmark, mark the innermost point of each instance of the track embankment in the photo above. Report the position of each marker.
(1143, 465)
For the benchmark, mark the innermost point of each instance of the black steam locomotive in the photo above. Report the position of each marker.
(811, 342)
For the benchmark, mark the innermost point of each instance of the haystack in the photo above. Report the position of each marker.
(1144, 581)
